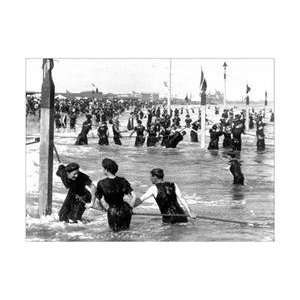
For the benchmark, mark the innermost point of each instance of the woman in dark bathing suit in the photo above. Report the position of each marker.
(113, 189)
(139, 129)
(80, 191)
(152, 136)
(103, 134)
(168, 198)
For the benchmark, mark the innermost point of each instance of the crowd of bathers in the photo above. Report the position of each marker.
(152, 124)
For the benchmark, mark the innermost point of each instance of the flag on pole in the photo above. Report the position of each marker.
(266, 98)
(248, 89)
(204, 86)
(165, 84)
(203, 92)
(202, 78)
(186, 99)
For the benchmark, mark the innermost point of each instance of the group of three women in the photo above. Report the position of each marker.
(117, 197)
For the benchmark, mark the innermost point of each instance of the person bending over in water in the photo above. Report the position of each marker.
(113, 189)
(166, 195)
(174, 139)
(80, 191)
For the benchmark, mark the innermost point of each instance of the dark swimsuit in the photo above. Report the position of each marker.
(119, 212)
(102, 133)
(174, 139)
(193, 133)
(151, 139)
(82, 137)
(166, 200)
(214, 139)
(140, 139)
(116, 135)
(237, 131)
(74, 204)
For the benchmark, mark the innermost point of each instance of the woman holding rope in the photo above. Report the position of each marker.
(80, 191)
(113, 189)
(167, 195)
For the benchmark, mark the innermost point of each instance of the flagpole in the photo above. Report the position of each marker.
(170, 90)
(224, 100)
(266, 103)
(203, 115)
(247, 117)
(203, 86)
(203, 124)
(247, 108)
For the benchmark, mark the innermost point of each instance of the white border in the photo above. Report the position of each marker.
(147, 270)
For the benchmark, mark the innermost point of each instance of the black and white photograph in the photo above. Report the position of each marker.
(152, 149)
(149, 150)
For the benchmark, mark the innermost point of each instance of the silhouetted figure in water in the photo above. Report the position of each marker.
(103, 134)
(227, 141)
(237, 129)
(194, 131)
(130, 123)
(251, 121)
(235, 170)
(57, 118)
(188, 121)
(215, 133)
(164, 134)
(116, 132)
(152, 136)
(174, 139)
(73, 117)
(86, 127)
(260, 135)
(139, 129)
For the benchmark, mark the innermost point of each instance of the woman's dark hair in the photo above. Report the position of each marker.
(110, 165)
(159, 173)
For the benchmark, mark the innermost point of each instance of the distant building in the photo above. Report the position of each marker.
(150, 97)
(155, 97)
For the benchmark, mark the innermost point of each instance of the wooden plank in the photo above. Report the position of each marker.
(46, 139)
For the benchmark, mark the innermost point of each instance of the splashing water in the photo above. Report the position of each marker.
(202, 176)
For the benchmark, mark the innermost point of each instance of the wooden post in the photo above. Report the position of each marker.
(46, 141)
(203, 119)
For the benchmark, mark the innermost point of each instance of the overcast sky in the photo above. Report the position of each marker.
(148, 75)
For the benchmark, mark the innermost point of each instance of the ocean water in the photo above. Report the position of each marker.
(202, 176)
